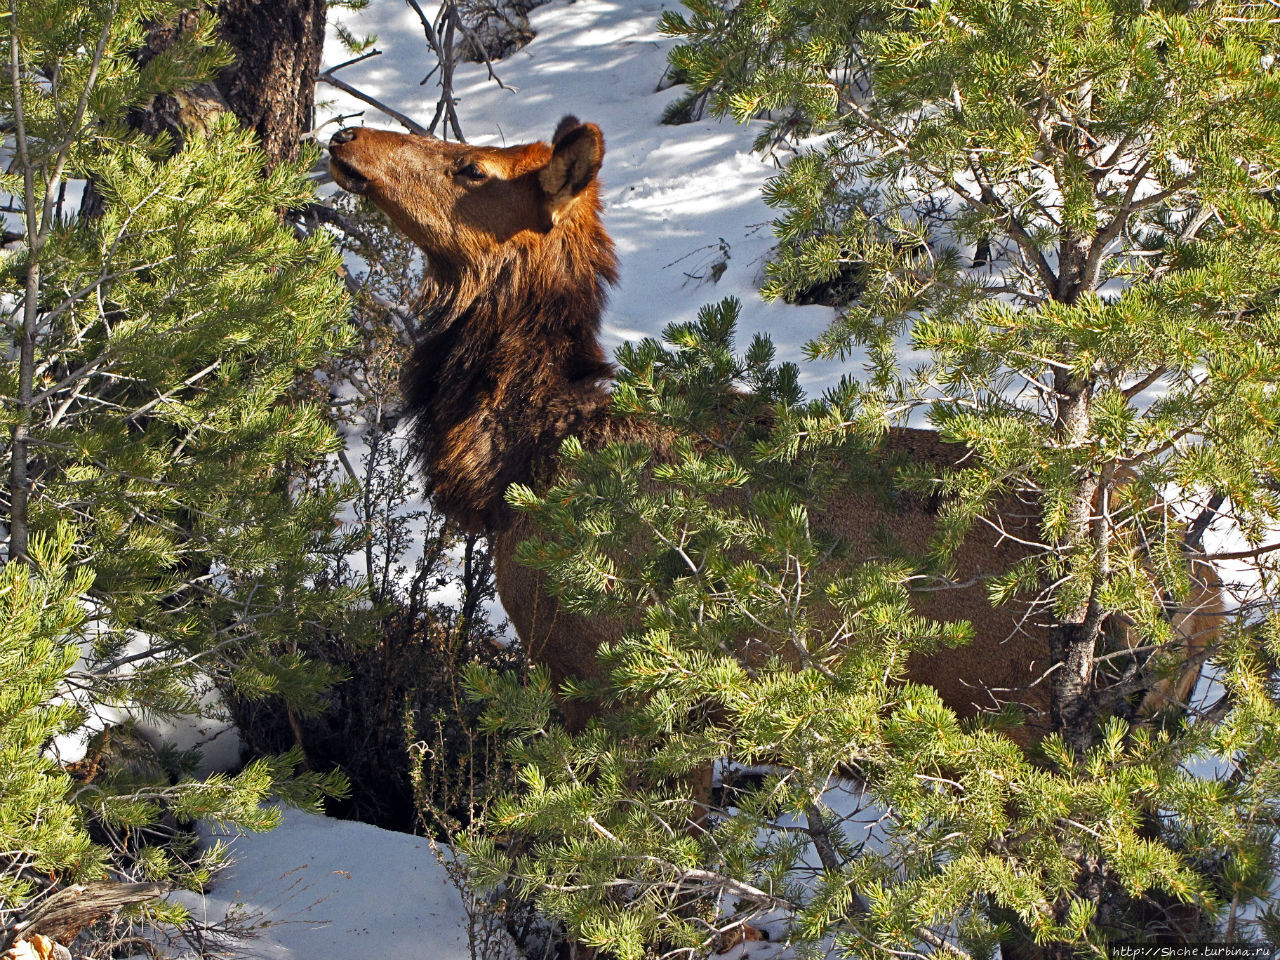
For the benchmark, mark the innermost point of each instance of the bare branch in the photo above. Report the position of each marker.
(354, 60)
(1008, 217)
(447, 60)
(407, 122)
(479, 47)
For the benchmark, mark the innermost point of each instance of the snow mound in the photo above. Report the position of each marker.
(324, 889)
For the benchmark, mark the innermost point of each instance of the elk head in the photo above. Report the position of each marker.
(463, 204)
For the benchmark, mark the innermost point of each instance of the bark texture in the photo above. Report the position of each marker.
(63, 915)
(271, 86)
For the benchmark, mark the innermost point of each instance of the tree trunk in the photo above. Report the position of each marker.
(1073, 639)
(271, 86)
(63, 915)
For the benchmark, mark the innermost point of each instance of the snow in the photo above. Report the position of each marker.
(333, 890)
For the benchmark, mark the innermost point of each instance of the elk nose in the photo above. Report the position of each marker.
(345, 135)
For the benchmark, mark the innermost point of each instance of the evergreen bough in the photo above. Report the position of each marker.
(1066, 211)
(157, 542)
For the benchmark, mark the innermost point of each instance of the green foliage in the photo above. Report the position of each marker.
(1066, 212)
(952, 832)
(150, 353)
(39, 610)
(758, 58)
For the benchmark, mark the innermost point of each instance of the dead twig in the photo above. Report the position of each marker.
(447, 58)
(405, 121)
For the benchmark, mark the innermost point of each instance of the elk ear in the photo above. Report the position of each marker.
(577, 151)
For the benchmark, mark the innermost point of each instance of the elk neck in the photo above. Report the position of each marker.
(509, 364)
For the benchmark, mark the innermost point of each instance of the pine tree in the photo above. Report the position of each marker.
(39, 609)
(150, 351)
(1069, 210)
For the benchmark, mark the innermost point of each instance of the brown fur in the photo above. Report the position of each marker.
(510, 364)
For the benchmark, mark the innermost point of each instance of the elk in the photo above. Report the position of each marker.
(510, 364)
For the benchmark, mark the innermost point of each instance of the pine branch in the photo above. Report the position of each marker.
(1008, 218)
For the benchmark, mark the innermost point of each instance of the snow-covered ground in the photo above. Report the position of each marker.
(677, 200)
(336, 890)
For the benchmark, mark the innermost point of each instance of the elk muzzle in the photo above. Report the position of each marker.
(344, 171)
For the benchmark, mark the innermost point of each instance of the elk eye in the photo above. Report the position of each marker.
(472, 172)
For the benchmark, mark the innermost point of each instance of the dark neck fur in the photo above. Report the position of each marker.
(509, 366)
